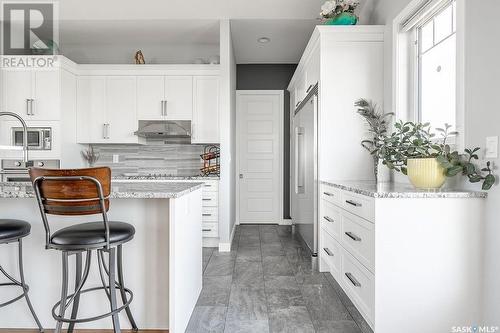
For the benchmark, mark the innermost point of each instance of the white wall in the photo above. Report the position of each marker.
(482, 117)
(227, 136)
(113, 53)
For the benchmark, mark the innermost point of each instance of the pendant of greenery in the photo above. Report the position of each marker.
(415, 140)
(378, 123)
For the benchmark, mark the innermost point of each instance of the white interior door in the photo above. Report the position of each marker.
(260, 156)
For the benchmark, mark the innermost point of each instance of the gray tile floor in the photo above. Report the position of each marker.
(270, 283)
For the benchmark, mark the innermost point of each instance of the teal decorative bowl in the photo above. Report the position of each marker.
(342, 19)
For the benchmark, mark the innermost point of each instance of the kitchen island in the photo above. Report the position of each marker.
(162, 264)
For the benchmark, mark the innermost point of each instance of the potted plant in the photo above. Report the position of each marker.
(413, 150)
(339, 12)
(378, 123)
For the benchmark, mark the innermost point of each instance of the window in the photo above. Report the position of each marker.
(436, 67)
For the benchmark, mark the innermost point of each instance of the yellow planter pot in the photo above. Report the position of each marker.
(426, 173)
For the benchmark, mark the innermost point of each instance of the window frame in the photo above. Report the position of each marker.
(406, 68)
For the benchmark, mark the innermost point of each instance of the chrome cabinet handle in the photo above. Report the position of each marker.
(104, 131)
(328, 194)
(327, 250)
(206, 229)
(165, 107)
(353, 280)
(353, 203)
(298, 103)
(32, 112)
(27, 106)
(352, 236)
(309, 89)
(206, 199)
(162, 108)
(105, 134)
(329, 219)
(206, 214)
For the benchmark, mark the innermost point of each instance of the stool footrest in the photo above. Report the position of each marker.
(84, 320)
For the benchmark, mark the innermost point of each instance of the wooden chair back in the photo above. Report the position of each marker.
(72, 191)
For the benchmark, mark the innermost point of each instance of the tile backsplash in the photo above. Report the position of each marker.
(170, 159)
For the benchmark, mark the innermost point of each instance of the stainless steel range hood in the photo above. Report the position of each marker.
(169, 131)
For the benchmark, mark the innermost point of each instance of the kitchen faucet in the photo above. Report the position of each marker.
(25, 135)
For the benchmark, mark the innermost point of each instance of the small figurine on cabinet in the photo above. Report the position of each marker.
(139, 58)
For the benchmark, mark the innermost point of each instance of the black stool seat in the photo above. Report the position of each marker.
(92, 234)
(13, 229)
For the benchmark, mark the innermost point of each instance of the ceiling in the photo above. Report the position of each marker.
(102, 28)
(288, 40)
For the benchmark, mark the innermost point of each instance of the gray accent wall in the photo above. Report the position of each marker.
(272, 77)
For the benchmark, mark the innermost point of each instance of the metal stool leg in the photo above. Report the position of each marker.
(64, 290)
(25, 289)
(122, 288)
(112, 288)
(76, 300)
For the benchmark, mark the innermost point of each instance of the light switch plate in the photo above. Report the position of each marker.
(491, 147)
(116, 158)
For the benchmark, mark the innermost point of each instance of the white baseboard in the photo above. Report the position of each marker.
(226, 247)
(286, 222)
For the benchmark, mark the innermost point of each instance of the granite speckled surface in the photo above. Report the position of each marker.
(395, 190)
(121, 190)
(146, 177)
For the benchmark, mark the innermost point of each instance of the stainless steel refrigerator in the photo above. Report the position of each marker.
(304, 169)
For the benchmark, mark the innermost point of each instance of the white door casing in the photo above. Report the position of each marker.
(259, 165)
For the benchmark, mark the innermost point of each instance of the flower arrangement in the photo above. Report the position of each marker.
(333, 9)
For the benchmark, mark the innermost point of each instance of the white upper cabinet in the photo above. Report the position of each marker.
(178, 97)
(121, 116)
(91, 109)
(150, 97)
(165, 97)
(34, 95)
(312, 69)
(106, 109)
(206, 109)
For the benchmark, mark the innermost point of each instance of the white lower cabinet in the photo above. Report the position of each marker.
(408, 263)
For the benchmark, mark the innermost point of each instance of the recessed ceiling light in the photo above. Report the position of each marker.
(264, 40)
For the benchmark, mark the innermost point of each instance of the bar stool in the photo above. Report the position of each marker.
(82, 192)
(14, 231)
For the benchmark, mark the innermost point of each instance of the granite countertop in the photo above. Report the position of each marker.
(396, 190)
(145, 177)
(121, 190)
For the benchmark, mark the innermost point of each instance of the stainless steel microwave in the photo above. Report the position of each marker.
(39, 138)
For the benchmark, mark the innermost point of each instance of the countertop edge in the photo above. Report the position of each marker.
(402, 191)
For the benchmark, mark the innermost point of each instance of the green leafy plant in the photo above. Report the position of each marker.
(378, 123)
(415, 140)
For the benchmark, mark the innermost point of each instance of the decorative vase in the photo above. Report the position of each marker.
(426, 173)
(342, 19)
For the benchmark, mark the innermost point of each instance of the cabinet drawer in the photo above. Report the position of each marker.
(210, 186)
(330, 219)
(210, 229)
(210, 214)
(358, 237)
(330, 194)
(359, 205)
(359, 285)
(330, 252)
(210, 199)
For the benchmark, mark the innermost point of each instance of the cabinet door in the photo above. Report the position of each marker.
(121, 109)
(179, 97)
(150, 95)
(206, 110)
(46, 95)
(300, 89)
(312, 69)
(16, 90)
(91, 109)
